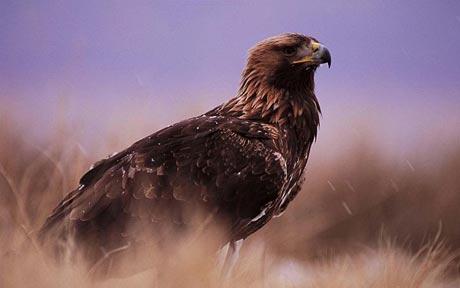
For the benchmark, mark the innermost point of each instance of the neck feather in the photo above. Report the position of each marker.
(280, 102)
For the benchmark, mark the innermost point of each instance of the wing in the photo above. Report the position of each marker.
(229, 166)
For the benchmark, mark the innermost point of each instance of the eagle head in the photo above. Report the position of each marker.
(286, 60)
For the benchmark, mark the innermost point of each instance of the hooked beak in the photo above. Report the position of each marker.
(318, 54)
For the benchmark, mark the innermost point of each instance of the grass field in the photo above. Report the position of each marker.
(363, 219)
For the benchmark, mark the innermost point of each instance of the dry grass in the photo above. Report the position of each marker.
(330, 237)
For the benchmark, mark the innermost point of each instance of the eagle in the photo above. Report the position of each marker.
(241, 163)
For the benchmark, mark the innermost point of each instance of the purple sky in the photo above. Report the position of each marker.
(396, 64)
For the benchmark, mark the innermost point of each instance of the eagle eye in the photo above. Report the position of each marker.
(289, 50)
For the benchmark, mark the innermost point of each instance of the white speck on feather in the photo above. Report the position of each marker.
(279, 214)
(286, 195)
(282, 161)
(131, 172)
(261, 214)
(123, 178)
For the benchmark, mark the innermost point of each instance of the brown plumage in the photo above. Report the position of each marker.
(241, 162)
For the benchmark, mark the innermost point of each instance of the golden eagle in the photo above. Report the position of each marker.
(242, 162)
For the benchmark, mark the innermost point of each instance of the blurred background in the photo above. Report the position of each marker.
(395, 72)
(82, 79)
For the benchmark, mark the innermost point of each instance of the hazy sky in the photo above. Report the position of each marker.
(397, 59)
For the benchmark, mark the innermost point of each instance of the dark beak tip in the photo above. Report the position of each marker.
(327, 58)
